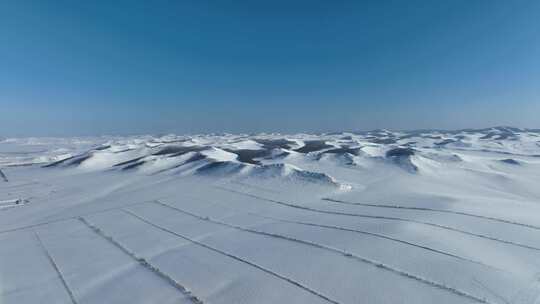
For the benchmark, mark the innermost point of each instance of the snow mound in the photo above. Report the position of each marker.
(313, 145)
(341, 159)
(221, 168)
(277, 172)
(70, 161)
(271, 155)
(403, 158)
(292, 173)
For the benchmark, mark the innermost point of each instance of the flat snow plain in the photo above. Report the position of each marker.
(355, 217)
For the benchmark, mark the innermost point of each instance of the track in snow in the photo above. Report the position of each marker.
(275, 274)
(68, 218)
(433, 210)
(373, 234)
(55, 266)
(380, 217)
(338, 251)
(11, 186)
(143, 262)
(377, 235)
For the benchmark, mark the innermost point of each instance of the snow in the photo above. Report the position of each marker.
(358, 217)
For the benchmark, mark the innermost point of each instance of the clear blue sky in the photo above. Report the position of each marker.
(117, 67)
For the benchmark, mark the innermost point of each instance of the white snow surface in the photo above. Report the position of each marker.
(426, 216)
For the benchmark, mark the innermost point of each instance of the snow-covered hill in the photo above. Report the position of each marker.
(354, 217)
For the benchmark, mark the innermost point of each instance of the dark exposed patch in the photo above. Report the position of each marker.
(397, 152)
(508, 129)
(133, 165)
(56, 163)
(248, 156)
(410, 143)
(208, 168)
(3, 176)
(171, 141)
(21, 165)
(128, 161)
(500, 136)
(445, 142)
(79, 160)
(313, 145)
(281, 154)
(383, 141)
(456, 157)
(70, 161)
(178, 150)
(122, 151)
(510, 161)
(343, 150)
(346, 159)
(333, 133)
(270, 144)
(102, 148)
(407, 136)
(193, 158)
(212, 165)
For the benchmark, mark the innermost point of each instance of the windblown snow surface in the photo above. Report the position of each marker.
(368, 217)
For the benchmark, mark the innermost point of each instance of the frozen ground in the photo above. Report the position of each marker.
(373, 217)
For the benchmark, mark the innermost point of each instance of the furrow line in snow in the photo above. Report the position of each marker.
(69, 218)
(491, 291)
(378, 235)
(36, 225)
(382, 218)
(142, 261)
(26, 184)
(56, 268)
(335, 250)
(434, 210)
(275, 274)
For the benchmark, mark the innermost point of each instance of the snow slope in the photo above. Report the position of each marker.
(425, 216)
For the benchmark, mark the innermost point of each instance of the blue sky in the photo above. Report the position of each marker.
(124, 67)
